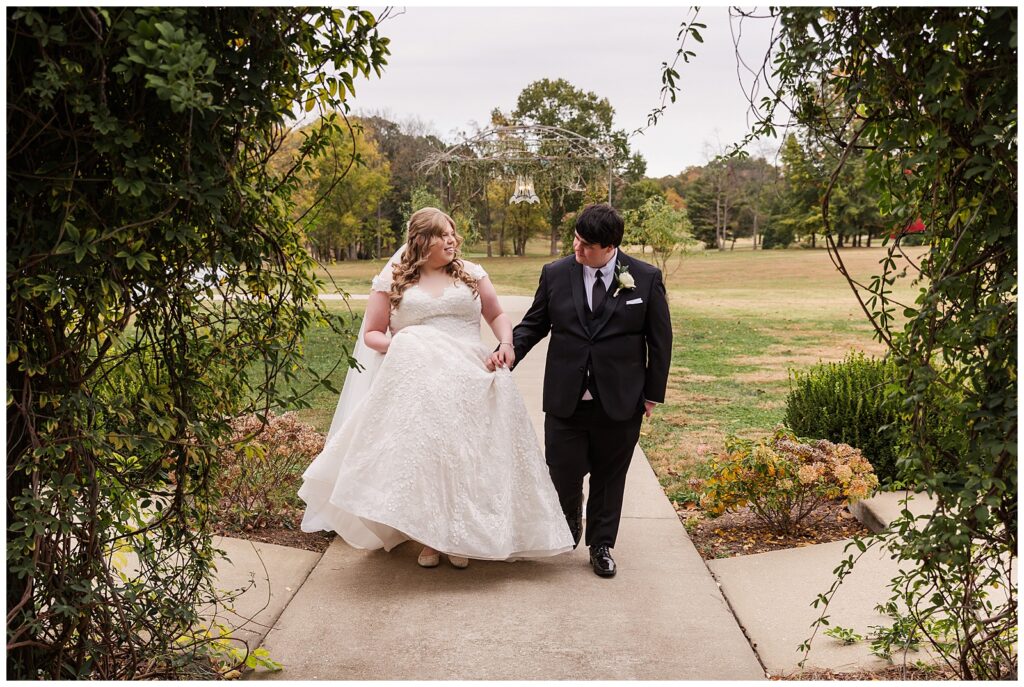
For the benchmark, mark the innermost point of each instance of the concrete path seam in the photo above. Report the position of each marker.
(739, 623)
(273, 621)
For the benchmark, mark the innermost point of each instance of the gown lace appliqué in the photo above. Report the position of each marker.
(440, 451)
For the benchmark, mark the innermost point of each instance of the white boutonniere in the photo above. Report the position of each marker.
(623, 279)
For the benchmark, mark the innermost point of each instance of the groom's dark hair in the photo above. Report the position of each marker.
(600, 223)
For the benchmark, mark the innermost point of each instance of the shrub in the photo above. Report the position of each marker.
(857, 402)
(847, 402)
(262, 469)
(783, 479)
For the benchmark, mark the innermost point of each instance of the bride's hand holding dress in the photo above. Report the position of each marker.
(499, 323)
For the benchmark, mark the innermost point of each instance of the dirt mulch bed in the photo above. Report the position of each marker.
(282, 536)
(893, 673)
(292, 535)
(741, 533)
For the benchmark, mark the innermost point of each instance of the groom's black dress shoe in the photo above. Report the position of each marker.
(575, 521)
(602, 561)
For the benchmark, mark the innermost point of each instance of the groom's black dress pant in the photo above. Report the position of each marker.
(591, 442)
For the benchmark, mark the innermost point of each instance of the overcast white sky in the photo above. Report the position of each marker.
(450, 67)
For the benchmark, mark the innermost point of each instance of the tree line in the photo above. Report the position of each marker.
(774, 203)
(374, 180)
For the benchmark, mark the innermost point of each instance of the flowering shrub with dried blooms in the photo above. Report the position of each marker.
(262, 468)
(783, 478)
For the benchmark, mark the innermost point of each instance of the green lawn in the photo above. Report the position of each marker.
(323, 350)
(741, 319)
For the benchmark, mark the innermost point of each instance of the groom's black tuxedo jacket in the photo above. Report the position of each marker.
(628, 347)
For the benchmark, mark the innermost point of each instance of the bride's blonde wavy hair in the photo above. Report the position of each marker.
(425, 225)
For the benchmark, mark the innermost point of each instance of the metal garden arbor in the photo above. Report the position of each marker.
(546, 155)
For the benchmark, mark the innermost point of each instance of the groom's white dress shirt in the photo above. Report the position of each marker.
(607, 276)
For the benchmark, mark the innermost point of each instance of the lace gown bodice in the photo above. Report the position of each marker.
(441, 450)
(456, 311)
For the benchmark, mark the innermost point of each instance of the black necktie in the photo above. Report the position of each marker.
(598, 294)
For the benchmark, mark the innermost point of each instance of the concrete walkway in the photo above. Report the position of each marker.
(369, 615)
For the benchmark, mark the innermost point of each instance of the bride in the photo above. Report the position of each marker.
(432, 441)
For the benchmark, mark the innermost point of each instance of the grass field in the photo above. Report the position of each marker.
(741, 321)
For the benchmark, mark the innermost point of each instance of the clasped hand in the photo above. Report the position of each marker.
(505, 356)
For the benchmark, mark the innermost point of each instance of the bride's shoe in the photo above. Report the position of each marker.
(458, 561)
(428, 560)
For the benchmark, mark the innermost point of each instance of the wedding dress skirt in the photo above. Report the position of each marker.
(440, 450)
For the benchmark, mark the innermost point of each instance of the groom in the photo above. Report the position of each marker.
(607, 367)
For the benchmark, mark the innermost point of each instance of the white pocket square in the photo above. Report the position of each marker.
(635, 301)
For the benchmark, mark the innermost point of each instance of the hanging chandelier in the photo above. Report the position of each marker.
(524, 192)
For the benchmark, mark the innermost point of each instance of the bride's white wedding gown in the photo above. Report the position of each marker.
(440, 450)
